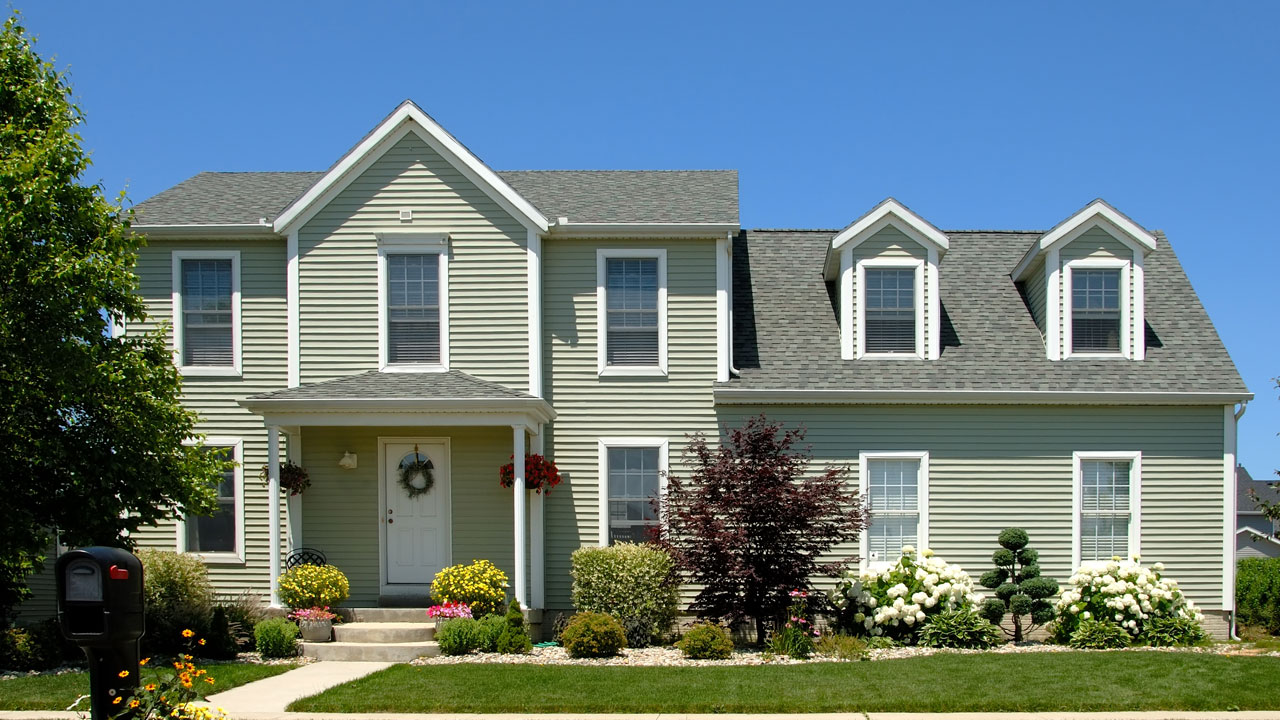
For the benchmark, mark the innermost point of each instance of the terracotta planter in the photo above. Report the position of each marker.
(316, 630)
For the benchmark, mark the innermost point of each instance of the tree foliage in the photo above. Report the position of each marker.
(1020, 588)
(91, 425)
(751, 524)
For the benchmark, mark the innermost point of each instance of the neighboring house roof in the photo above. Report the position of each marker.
(786, 335)
(1244, 483)
(1258, 535)
(374, 385)
(583, 196)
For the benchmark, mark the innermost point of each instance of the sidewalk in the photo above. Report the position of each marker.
(273, 694)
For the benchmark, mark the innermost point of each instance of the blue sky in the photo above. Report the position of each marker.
(977, 115)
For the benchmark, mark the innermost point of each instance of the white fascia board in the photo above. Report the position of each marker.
(742, 396)
(643, 230)
(476, 409)
(375, 143)
(891, 212)
(233, 231)
(1098, 213)
(1256, 534)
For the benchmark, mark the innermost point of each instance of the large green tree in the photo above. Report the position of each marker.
(91, 429)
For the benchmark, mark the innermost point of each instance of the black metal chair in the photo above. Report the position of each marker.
(304, 556)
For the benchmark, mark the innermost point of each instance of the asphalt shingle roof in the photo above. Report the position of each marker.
(786, 335)
(584, 196)
(374, 385)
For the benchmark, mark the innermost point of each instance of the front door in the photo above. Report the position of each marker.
(415, 477)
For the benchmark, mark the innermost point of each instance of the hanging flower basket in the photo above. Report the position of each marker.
(293, 478)
(540, 474)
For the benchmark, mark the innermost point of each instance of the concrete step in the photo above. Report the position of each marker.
(384, 615)
(384, 632)
(370, 652)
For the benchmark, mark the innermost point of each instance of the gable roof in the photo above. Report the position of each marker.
(1244, 483)
(1097, 213)
(787, 338)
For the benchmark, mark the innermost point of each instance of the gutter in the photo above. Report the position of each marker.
(563, 228)
(744, 396)
(236, 230)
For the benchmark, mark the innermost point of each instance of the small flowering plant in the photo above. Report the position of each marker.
(894, 599)
(449, 610)
(540, 474)
(314, 614)
(796, 637)
(1120, 591)
(481, 586)
(170, 692)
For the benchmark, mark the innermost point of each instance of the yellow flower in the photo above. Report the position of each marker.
(150, 687)
(124, 673)
(200, 641)
(188, 633)
(117, 701)
(134, 703)
(143, 661)
(209, 680)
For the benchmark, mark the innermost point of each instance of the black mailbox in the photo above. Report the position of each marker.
(100, 608)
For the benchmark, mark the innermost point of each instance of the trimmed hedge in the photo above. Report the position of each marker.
(1258, 593)
(593, 635)
(634, 583)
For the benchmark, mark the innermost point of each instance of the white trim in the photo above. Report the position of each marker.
(273, 512)
(236, 367)
(914, 264)
(1134, 458)
(1229, 508)
(407, 118)
(1053, 303)
(1138, 348)
(537, 534)
(722, 309)
(922, 496)
(1096, 214)
(386, 589)
(413, 243)
(1257, 535)
(292, 291)
(642, 230)
(520, 520)
(891, 212)
(221, 558)
(740, 396)
(933, 348)
(848, 324)
(1068, 302)
(533, 256)
(602, 321)
(602, 477)
(231, 231)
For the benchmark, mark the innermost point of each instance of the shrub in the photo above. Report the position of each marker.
(961, 628)
(459, 636)
(308, 586)
(39, 647)
(276, 638)
(1020, 589)
(843, 647)
(1098, 635)
(1258, 593)
(220, 643)
(1123, 592)
(178, 597)
(634, 583)
(894, 599)
(243, 612)
(1173, 631)
(481, 585)
(593, 635)
(513, 639)
(706, 641)
(795, 638)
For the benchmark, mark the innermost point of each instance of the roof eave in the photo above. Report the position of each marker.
(537, 410)
(595, 230)
(228, 230)
(748, 396)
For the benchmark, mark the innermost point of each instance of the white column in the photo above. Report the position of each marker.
(537, 537)
(521, 512)
(294, 453)
(273, 510)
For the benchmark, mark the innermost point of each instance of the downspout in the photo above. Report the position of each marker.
(1231, 625)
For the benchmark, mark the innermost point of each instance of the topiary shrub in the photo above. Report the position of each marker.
(706, 641)
(963, 628)
(593, 635)
(459, 636)
(635, 583)
(514, 636)
(481, 585)
(1258, 593)
(311, 586)
(1173, 632)
(1098, 635)
(276, 638)
(894, 599)
(1020, 589)
(178, 596)
(1123, 592)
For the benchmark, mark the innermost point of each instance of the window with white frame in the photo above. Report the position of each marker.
(1108, 491)
(895, 487)
(632, 307)
(890, 308)
(206, 310)
(413, 296)
(631, 471)
(219, 533)
(1095, 310)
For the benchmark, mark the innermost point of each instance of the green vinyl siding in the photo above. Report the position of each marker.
(488, 275)
(264, 342)
(1034, 290)
(992, 467)
(892, 243)
(591, 407)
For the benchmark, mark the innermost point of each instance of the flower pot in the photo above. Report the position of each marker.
(316, 630)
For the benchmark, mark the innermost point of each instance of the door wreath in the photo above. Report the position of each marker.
(416, 474)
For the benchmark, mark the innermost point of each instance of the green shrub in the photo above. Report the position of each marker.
(1020, 589)
(178, 597)
(514, 637)
(309, 586)
(1173, 631)
(481, 585)
(1123, 591)
(593, 635)
(706, 641)
(964, 628)
(1098, 635)
(881, 642)
(635, 583)
(220, 643)
(843, 647)
(459, 636)
(243, 612)
(1258, 593)
(276, 638)
(39, 647)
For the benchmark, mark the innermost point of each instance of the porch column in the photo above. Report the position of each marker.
(273, 510)
(522, 586)
(537, 537)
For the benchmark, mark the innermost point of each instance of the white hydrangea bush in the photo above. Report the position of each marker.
(1121, 591)
(893, 599)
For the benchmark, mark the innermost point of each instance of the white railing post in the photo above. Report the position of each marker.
(521, 513)
(273, 510)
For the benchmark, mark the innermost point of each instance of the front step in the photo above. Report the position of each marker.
(397, 652)
(384, 632)
(384, 615)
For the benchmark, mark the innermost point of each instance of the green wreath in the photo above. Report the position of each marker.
(420, 465)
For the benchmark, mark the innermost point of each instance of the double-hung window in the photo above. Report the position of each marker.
(632, 290)
(1095, 311)
(890, 308)
(413, 294)
(219, 534)
(631, 471)
(1107, 496)
(895, 486)
(206, 312)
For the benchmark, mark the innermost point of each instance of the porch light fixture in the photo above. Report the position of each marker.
(348, 461)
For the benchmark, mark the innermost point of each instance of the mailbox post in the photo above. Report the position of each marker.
(100, 609)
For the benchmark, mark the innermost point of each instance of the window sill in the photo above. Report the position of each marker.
(1096, 355)
(409, 368)
(209, 371)
(218, 558)
(892, 356)
(633, 371)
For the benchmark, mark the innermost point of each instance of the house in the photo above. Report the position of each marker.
(410, 304)
(1256, 534)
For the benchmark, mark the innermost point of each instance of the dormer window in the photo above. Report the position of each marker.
(1095, 311)
(889, 311)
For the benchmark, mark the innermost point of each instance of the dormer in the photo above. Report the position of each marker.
(1084, 284)
(885, 266)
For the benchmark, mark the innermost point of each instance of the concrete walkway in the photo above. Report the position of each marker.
(273, 694)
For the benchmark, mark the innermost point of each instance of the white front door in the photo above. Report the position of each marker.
(417, 532)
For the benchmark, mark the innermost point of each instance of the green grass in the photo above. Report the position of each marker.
(56, 692)
(1064, 682)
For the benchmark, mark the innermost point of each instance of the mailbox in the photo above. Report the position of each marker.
(100, 608)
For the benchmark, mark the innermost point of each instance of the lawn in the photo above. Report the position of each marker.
(1065, 681)
(56, 692)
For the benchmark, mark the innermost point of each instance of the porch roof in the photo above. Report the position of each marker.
(392, 398)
